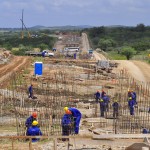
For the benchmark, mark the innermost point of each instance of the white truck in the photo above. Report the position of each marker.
(44, 53)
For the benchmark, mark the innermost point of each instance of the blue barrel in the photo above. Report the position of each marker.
(38, 68)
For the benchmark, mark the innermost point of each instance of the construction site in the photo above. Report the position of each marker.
(71, 79)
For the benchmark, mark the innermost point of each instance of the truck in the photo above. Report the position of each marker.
(44, 53)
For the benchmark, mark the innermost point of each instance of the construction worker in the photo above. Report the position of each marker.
(34, 130)
(106, 101)
(129, 93)
(102, 107)
(115, 106)
(102, 94)
(43, 54)
(66, 123)
(145, 131)
(76, 114)
(97, 96)
(30, 120)
(30, 90)
(131, 105)
(133, 94)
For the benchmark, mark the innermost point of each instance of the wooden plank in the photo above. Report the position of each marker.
(44, 137)
(121, 136)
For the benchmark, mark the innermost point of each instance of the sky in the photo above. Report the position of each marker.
(74, 12)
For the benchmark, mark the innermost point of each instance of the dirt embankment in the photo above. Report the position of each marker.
(145, 69)
(132, 69)
(16, 64)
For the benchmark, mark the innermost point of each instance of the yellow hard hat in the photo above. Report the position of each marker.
(65, 108)
(34, 123)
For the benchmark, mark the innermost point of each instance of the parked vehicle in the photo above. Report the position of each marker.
(44, 53)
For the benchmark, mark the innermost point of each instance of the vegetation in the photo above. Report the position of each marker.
(128, 52)
(11, 40)
(117, 39)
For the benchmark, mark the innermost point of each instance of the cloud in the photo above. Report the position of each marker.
(97, 11)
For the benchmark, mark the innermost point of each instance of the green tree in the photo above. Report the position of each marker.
(43, 46)
(106, 43)
(140, 27)
(128, 52)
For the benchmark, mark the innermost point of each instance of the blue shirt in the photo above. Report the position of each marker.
(66, 119)
(75, 112)
(30, 89)
(29, 121)
(34, 131)
(97, 95)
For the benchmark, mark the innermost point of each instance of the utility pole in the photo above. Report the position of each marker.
(22, 34)
(23, 26)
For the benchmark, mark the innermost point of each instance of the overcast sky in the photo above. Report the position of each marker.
(74, 12)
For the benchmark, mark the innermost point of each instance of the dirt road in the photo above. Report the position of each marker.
(145, 68)
(85, 42)
(16, 63)
(133, 69)
(137, 69)
(99, 56)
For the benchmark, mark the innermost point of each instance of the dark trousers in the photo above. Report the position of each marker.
(30, 95)
(66, 130)
(102, 110)
(106, 107)
(97, 99)
(131, 110)
(115, 113)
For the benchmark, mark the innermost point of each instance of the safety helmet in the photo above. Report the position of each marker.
(34, 115)
(34, 123)
(68, 112)
(65, 108)
(115, 100)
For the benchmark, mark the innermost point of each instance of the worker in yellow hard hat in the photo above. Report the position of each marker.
(65, 108)
(76, 114)
(34, 131)
(34, 123)
(102, 107)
